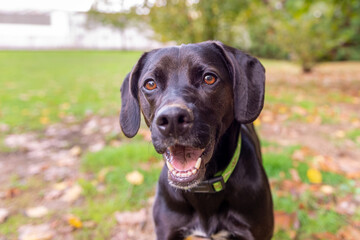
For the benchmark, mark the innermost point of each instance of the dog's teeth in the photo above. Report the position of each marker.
(194, 171)
(170, 167)
(198, 163)
(183, 175)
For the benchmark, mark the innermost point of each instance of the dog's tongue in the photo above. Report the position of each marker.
(184, 158)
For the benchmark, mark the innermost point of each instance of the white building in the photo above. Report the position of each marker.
(64, 28)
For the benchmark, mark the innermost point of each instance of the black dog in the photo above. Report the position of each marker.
(199, 101)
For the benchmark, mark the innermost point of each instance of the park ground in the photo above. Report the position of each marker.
(67, 172)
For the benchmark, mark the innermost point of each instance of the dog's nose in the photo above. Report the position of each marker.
(174, 120)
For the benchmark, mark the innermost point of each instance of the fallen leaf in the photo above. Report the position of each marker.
(325, 235)
(257, 122)
(295, 175)
(285, 221)
(298, 155)
(44, 120)
(349, 232)
(36, 232)
(75, 151)
(327, 189)
(135, 178)
(74, 221)
(72, 194)
(36, 212)
(12, 192)
(4, 214)
(61, 185)
(131, 217)
(102, 174)
(340, 134)
(314, 175)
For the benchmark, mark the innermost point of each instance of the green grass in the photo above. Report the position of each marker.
(278, 161)
(40, 87)
(354, 135)
(118, 194)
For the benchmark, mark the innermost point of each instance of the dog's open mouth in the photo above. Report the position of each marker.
(184, 164)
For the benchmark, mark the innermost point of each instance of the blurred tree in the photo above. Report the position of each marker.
(306, 31)
(194, 21)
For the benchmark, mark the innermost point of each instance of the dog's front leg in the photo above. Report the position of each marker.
(166, 222)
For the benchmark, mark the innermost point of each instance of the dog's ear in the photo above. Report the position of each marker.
(248, 76)
(130, 108)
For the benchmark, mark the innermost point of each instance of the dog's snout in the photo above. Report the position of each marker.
(174, 120)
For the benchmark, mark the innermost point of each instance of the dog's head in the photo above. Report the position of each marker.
(189, 96)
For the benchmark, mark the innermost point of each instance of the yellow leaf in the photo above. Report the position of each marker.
(75, 222)
(314, 175)
(44, 120)
(257, 122)
(102, 174)
(283, 109)
(65, 106)
(135, 178)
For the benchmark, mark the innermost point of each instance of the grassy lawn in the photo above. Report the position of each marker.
(42, 87)
(39, 88)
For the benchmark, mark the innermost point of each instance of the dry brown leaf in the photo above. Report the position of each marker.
(285, 221)
(36, 232)
(61, 186)
(72, 194)
(12, 192)
(295, 175)
(75, 151)
(325, 235)
(327, 189)
(102, 174)
(4, 214)
(36, 212)
(349, 233)
(135, 178)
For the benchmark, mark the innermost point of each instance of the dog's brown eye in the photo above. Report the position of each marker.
(209, 79)
(150, 85)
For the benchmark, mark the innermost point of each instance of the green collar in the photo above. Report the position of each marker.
(217, 183)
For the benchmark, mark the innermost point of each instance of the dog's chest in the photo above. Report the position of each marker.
(219, 227)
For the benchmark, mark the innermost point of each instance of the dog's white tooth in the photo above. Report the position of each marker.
(173, 172)
(198, 163)
(170, 167)
(188, 174)
(194, 171)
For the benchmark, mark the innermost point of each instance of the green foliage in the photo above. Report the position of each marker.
(302, 30)
(308, 31)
